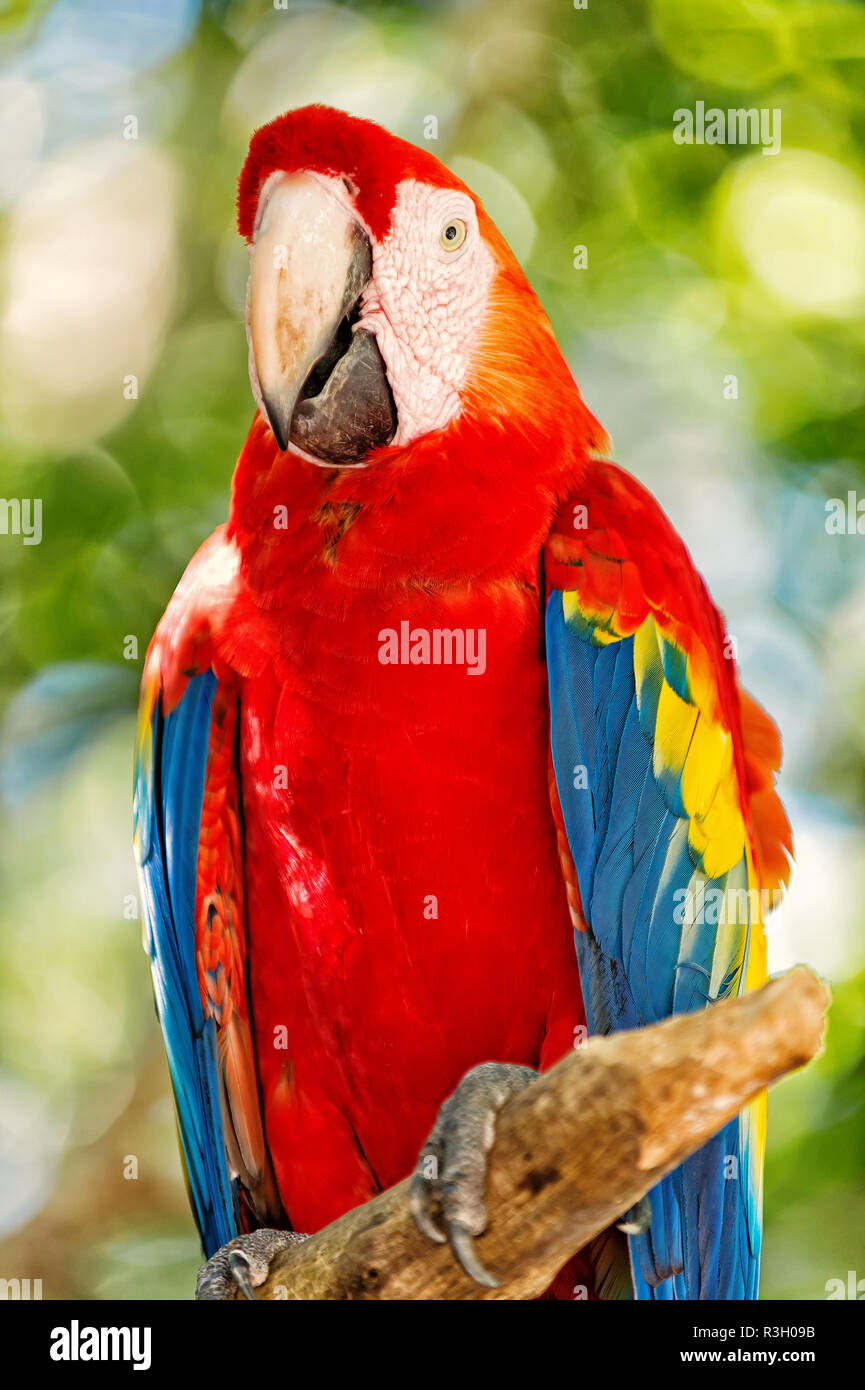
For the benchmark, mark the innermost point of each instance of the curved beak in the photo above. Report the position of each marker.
(323, 386)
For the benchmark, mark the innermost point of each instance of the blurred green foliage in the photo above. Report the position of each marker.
(120, 261)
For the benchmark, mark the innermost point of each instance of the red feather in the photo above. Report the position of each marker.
(321, 140)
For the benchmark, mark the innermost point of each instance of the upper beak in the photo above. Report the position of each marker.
(323, 386)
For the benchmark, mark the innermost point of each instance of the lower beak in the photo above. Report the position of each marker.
(323, 385)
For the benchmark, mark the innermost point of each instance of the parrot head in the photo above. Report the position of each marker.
(396, 345)
(383, 302)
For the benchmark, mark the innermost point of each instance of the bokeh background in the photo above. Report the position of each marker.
(124, 401)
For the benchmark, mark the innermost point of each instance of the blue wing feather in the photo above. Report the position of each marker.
(169, 789)
(628, 835)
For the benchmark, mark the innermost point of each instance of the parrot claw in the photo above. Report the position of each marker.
(422, 1218)
(242, 1265)
(450, 1176)
(462, 1245)
(239, 1266)
(636, 1219)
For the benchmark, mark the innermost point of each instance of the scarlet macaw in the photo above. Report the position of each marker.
(444, 696)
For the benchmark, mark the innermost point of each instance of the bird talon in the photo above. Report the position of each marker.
(240, 1271)
(636, 1219)
(462, 1244)
(420, 1196)
(451, 1170)
(242, 1265)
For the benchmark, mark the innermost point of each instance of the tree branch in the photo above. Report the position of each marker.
(573, 1152)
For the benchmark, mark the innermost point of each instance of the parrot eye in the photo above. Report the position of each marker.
(453, 234)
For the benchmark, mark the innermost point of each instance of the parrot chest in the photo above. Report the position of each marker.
(407, 916)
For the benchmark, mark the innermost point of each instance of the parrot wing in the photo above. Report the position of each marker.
(189, 848)
(663, 790)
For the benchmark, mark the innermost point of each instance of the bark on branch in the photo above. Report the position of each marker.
(573, 1152)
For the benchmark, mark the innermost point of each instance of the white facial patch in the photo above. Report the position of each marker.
(426, 303)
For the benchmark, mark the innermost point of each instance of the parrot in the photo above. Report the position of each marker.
(441, 748)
